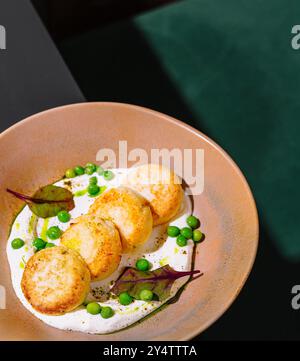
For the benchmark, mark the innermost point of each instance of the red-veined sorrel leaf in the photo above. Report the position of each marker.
(158, 281)
(48, 200)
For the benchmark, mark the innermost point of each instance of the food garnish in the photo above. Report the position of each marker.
(70, 173)
(53, 232)
(146, 295)
(107, 312)
(93, 308)
(79, 170)
(173, 231)
(142, 264)
(125, 299)
(48, 201)
(17, 243)
(186, 233)
(39, 243)
(158, 281)
(181, 241)
(63, 216)
(197, 236)
(193, 222)
(90, 168)
(108, 175)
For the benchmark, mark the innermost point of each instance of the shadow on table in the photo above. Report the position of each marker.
(117, 64)
(263, 309)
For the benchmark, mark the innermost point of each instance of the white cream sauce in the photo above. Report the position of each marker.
(159, 250)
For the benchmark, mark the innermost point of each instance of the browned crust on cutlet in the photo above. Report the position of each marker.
(55, 280)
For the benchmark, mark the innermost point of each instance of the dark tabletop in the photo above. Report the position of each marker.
(226, 68)
(33, 76)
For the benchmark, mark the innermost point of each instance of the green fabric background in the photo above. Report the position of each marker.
(237, 72)
(228, 69)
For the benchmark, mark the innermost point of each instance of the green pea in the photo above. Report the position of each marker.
(93, 180)
(181, 241)
(107, 312)
(146, 295)
(186, 232)
(70, 173)
(93, 189)
(108, 175)
(64, 216)
(193, 222)
(197, 235)
(91, 166)
(17, 243)
(100, 170)
(39, 243)
(125, 299)
(49, 245)
(53, 232)
(142, 264)
(93, 308)
(79, 170)
(89, 170)
(173, 231)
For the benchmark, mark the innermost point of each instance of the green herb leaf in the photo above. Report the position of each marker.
(159, 281)
(48, 200)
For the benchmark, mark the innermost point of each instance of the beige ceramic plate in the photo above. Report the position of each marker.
(37, 150)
